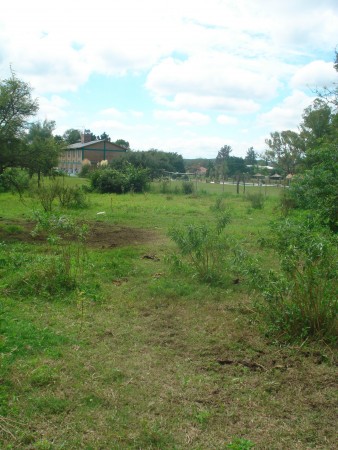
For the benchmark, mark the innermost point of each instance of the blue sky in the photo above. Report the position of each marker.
(187, 76)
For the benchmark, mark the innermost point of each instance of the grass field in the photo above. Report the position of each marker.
(137, 355)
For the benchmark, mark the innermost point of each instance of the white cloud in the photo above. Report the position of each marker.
(52, 109)
(183, 117)
(213, 74)
(227, 120)
(286, 115)
(211, 102)
(317, 73)
(113, 113)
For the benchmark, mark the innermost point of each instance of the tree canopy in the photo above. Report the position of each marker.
(43, 150)
(16, 108)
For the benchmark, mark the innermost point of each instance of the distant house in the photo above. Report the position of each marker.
(92, 153)
(201, 170)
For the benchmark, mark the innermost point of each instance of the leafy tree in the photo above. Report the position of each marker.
(104, 136)
(72, 136)
(286, 150)
(251, 157)
(42, 149)
(316, 123)
(223, 153)
(236, 166)
(330, 95)
(316, 188)
(122, 143)
(16, 107)
(156, 161)
(210, 169)
(222, 162)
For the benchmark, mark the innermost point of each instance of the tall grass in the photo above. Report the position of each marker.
(204, 247)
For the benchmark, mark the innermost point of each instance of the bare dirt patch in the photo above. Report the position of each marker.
(101, 234)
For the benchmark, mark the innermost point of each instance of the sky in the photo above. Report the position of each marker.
(185, 76)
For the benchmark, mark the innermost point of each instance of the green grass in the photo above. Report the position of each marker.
(141, 356)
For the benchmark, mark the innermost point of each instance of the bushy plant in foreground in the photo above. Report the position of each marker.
(67, 196)
(14, 179)
(300, 300)
(204, 247)
(62, 269)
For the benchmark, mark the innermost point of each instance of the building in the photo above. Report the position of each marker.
(92, 152)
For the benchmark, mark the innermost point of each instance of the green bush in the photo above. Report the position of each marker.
(256, 199)
(68, 196)
(302, 300)
(316, 189)
(205, 248)
(14, 179)
(188, 187)
(128, 179)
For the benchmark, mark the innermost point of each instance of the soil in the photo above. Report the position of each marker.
(101, 234)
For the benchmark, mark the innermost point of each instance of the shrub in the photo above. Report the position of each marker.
(72, 197)
(14, 179)
(129, 178)
(316, 189)
(188, 187)
(256, 199)
(63, 269)
(205, 248)
(68, 196)
(302, 300)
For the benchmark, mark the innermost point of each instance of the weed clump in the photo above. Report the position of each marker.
(205, 248)
(256, 199)
(301, 299)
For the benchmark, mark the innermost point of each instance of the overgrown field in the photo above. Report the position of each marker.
(116, 333)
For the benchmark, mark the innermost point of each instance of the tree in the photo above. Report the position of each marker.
(42, 149)
(122, 143)
(222, 162)
(316, 123)
(330, 95)
(104, 136)
(156, 161)
(223, 153)
(16, 107)
(251, 157)
(286, 150)
(236, 166)
(72, 136)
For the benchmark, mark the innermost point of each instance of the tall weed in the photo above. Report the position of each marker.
(300, 300)
(62, 269)
(204, 247)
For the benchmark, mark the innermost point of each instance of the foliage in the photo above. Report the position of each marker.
(302, 300)
(69, 196)
(204, 247)
(256, 199)
(222, 157)
(16, 107)
(240, 444)
(188, 187)
(155, 161)
(316, 189)
(129, 178)
(42, 150)
(286, 150)
(72, 136)
(122, 143)
(14, 179)
(251, 157)
(63, 270)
